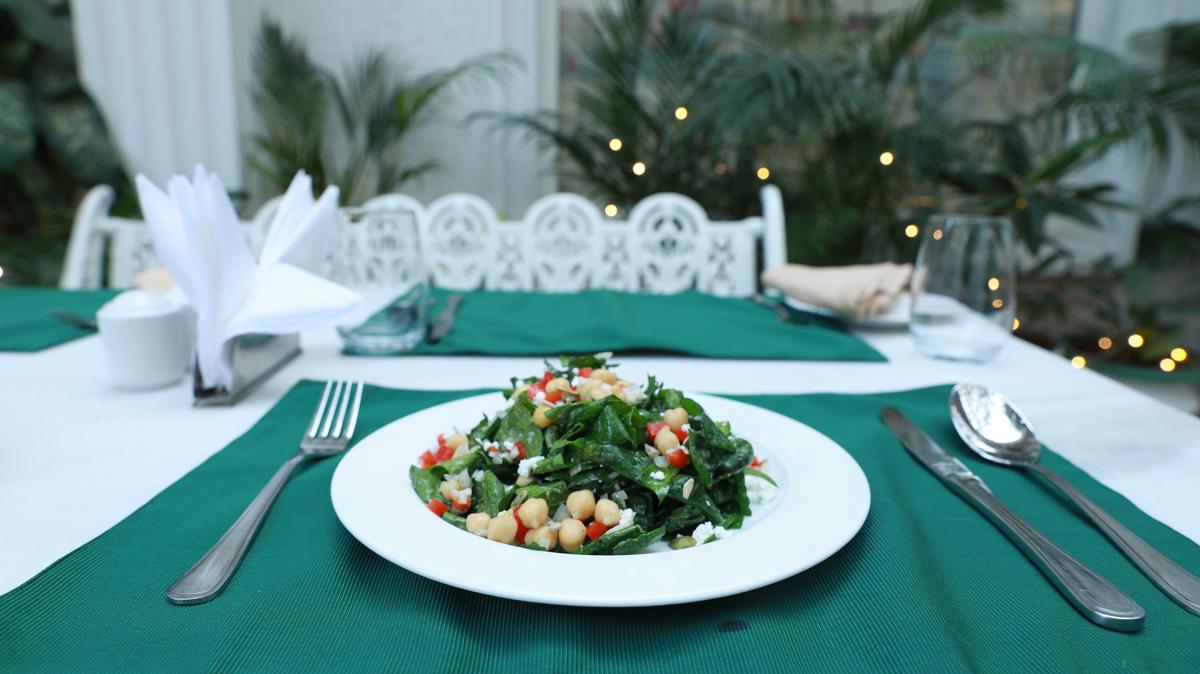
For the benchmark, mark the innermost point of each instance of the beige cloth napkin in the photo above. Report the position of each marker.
(857, 290)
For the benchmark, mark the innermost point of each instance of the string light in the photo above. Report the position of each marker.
(1016, 324)
(1166, 365)
(993, 283)
(997, 303)
(1179, 354)
(720, 168)
(763, 173)
(1136, 340)
(611, 210)
(911, 231)
(1105, 343)
(937, 234)
(681, 113)
(639, 168)
(1078, 362)
(615, 144)
(886, 158)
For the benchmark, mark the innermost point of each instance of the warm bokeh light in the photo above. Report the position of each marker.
(1179, 354)
(1078, 362)
(639, 168)
(1166, 365)
(1, 272)
(937, 234)
(763, 173)
(997, 303)
(1021, 203)
(1104, 343)
(611, 210)
(681, 113)
(993, 283)
(720, 168)
(1136, 340)
(1016, 324)
(615, 144)
(912, 231)
(887, 158)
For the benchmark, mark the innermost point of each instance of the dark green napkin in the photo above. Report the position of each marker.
(27, 323)
(927, 585)
(690, 323)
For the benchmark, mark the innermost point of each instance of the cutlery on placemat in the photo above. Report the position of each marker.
(328, 433)
(74, 320)
(444, 323)
(1093, 596)
(995, 430)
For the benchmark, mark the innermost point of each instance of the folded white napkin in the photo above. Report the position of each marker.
(856, 290)
(199, 238)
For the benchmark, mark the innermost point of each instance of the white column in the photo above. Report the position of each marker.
(162, 73)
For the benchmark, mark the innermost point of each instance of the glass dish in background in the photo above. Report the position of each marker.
(381, 259)
(964, 288)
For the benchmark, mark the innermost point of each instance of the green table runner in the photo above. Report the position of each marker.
(926, 585)
(691, 323)
(26, 323)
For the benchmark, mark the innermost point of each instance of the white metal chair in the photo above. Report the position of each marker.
(563, 244)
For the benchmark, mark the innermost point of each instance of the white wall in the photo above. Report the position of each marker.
(173, 79)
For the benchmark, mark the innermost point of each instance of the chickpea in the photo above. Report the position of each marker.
(539, 417)
(478, 522)
(456, 440)
(543, 536)
(665, 441)
(558, 384)
(570, 535)
(447, 490)
(675, 418)
(606, 376)
(607, 512)
(520, 390)
(581, 504)
(502, 528)
(598, 393)
(534, 512)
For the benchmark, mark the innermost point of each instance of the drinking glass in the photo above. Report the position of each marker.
(964, 287)
(380, 257)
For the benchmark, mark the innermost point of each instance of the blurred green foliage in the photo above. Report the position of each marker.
(53, 141)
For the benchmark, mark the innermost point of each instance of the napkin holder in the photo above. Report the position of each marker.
(255, 359)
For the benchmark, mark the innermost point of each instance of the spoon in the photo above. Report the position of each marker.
(993, 428)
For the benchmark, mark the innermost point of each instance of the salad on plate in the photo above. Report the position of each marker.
(582, 461)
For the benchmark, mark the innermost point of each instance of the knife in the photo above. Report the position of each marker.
(444, 323)
(1097, 599)
(74, 320)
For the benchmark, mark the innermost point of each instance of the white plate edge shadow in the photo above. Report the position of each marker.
(641, 580)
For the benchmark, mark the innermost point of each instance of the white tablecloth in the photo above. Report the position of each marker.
(77, 457)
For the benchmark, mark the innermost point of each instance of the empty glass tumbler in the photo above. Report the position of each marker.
(964, 287)
(380, 257)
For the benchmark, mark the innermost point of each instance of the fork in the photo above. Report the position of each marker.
(328, 433)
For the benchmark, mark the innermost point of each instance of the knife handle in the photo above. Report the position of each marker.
(1097, 599)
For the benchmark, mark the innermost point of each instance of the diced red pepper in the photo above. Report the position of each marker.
(546, 378)
(653, 428)
(441, 439)
(521, 528)
(462, 503)
(520, 449)
(596, 529)
(426, 459)
(757, 463)
(678, 458)
(437, 507)
(585, 372)
(535, 389)
(681, 434)
(553, 396)
(444, 453)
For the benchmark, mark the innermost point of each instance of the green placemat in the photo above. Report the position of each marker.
(926, 585)
(690, 323)
(26, 321)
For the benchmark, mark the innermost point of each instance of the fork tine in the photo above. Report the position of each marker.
(342, 407)
(354, 412)
(316, 420)
(337, 392)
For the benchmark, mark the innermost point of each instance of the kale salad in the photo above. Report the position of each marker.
(582, 461)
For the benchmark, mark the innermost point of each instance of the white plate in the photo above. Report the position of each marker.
(894, 318)
(822, 503)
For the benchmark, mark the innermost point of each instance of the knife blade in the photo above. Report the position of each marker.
(1087, 591)
(444, 323)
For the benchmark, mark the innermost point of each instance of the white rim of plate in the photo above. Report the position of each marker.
(821, 505)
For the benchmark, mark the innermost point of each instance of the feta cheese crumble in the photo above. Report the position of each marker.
(759, 491)
(657, 475)
(707, 530)
(525, 468)
(626, 519)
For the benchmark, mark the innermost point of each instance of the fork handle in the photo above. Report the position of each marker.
(207, 577)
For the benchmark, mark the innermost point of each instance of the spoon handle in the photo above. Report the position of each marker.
(1171, 578)
(1093, 596)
